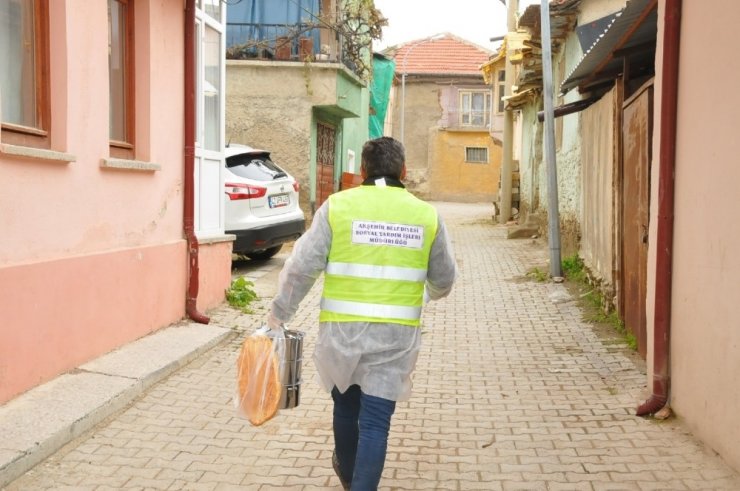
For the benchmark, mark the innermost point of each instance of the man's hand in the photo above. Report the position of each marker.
(273, 323)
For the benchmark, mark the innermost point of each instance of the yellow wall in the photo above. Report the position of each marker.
(452, 178)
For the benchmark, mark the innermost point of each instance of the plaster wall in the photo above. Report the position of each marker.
(568, 136)
(422, 112)
(533, 164)
(597, 214)
(454, 179)
(593, 10)
(59, 314)
(531, 167)
(705, 339)
(87, 207)
(93, 257)
(270, 105)
(355, 134)
(214, 277)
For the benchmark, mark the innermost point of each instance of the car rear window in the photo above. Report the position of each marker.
(257, 167)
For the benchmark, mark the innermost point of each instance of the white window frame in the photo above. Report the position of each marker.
(206, 158)
(486, 107)
(500, 82)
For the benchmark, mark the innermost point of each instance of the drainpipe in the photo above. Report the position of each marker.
(570, 108)
(191, 296)
(664, 242)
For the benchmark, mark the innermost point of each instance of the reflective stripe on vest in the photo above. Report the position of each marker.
(377, 272)
(371, 309)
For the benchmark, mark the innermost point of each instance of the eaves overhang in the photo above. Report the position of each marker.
(527, 53)
(632, 33)
(488, 68)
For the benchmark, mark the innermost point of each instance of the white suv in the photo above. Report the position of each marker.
(261, 203)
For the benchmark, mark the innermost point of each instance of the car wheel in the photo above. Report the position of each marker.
(264, 253)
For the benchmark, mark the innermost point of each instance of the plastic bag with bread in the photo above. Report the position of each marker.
(258, 376)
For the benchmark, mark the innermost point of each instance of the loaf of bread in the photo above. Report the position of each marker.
(258, 380)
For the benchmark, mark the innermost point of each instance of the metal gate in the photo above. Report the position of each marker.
(636, 151)
(325, 143)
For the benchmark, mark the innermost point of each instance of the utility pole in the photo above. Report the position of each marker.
(553, 213)
(508, 151)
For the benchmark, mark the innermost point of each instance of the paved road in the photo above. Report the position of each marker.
(512, 391)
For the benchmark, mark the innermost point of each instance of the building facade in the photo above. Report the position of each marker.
(297, 89)
(95, 192)
(442, 110)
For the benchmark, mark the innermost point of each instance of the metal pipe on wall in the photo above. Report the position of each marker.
(664, 241)
(191, 295)
(553, 213)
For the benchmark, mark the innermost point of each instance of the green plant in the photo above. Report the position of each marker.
(538, 275)
(240, 295)
(573, 268)
(596, 309)
(631, 341)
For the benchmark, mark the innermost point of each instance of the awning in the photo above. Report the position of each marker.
(632, 32)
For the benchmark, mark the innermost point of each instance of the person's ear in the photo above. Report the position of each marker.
(403, 172)
(363, 172)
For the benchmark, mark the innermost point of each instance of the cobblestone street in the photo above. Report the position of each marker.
(512, 391)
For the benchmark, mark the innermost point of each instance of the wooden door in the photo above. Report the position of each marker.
(636, 152)
(325, 151)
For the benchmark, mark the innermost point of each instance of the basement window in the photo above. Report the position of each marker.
(476, 155)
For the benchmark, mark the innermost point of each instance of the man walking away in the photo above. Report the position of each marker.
(383, 253)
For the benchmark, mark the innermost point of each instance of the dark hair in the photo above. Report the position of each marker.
(383, 156)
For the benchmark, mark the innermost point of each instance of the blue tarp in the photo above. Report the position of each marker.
(270, 15)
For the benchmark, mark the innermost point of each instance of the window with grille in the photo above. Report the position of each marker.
(476, 155)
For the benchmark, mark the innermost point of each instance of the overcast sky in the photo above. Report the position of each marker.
(474, 20)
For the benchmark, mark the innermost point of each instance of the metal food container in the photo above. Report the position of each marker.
(290, 369)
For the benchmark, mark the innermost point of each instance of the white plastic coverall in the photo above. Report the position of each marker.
(379, 357)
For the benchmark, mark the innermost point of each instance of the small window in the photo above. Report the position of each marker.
(475, 106)
(476, 155)
(121, 76)
(500, 91)
(24, 69)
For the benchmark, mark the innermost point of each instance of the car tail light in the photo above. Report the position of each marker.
(244, 191)
(296, 186)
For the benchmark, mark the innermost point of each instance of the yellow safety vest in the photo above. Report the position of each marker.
(377, 267)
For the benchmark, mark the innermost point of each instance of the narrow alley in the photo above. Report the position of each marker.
(512, 391)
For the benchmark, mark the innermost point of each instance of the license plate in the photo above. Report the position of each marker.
(279, 200)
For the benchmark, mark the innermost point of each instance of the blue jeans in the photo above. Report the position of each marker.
(361, 425)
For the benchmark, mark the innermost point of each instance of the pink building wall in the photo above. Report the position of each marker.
(705, 328)
(93, 257)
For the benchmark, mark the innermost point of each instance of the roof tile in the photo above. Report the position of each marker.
(445, 55)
